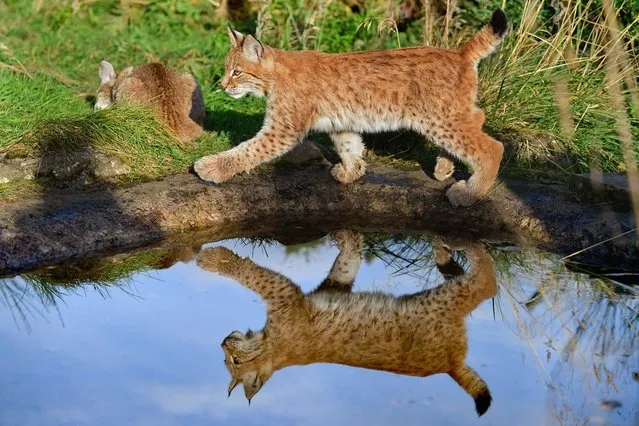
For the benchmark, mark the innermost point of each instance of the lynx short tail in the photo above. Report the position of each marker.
(487, 39)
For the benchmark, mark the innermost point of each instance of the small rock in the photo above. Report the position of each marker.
(106, 166)
(10, 173)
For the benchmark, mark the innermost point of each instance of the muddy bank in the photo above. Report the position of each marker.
(63, 225)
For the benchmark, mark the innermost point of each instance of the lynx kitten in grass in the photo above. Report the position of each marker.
(425, 89)
(175, 98)
(418, 334)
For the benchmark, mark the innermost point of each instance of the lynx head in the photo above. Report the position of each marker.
(245, 66)
(104, 96)
(245, 359)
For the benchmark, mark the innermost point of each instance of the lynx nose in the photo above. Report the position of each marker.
(225, 82)
(234, 337)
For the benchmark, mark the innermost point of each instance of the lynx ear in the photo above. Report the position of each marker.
(252, 385)
(236, 37)
(107, 73)
(232, 385)
(253, 49)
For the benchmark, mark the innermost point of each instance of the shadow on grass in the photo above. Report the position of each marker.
(71, 180)
(239, 126)
(409, 147)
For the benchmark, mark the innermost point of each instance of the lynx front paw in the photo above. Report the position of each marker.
(459, 194)
(350, 174)
(218, 259)
(216, 168)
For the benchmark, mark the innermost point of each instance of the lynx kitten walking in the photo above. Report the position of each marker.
(175, 98)
(419, 334)
(425, 89)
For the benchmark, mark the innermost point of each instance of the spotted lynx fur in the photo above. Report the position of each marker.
(418, 334)
(429, 90)
(175, 98)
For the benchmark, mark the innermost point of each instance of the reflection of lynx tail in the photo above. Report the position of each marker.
(468, 379)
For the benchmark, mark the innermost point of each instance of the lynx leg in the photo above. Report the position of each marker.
(271, 142)
(347, 263)
(350, 148)
(348, 260)
(471, 288)
(481, 271)
(484, 154)
(473, 146)
(274, 288)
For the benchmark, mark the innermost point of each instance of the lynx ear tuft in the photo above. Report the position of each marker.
(106, 71)
(236, 37)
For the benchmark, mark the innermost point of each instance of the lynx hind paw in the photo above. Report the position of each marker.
(348, 239)
(218, 259)
(444, 168)
(350, 174)
(460, 195)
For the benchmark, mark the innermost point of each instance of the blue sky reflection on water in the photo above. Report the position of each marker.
(149, 354)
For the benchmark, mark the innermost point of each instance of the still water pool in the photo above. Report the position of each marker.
(137, 339)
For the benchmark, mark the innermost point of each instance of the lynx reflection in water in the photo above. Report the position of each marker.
(419, 334)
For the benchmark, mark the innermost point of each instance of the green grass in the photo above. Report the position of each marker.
(131, 134)
(49, 52)
(520, 92)
(48, 74)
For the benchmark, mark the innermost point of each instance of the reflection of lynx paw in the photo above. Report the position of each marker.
(216, 168)
(348, 240)
(218, 259)
(186, 253)
(442, 253)
(443, 249)
(459, 194)
(456, 243)
(350, 174)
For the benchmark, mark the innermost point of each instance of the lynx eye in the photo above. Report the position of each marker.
(235, 360)
(236, 72)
